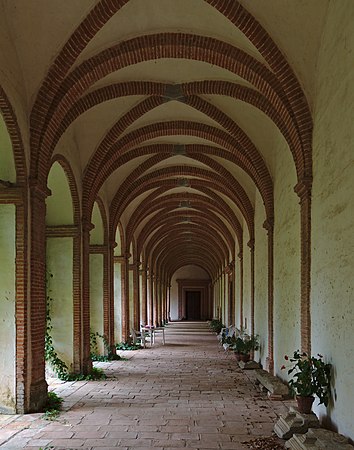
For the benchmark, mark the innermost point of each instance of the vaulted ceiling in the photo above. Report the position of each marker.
(168, 110)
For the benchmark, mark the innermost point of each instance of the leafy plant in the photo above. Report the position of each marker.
(216, 325)
(128, 346)
(245, 343)
(95, 356)
(51, 356)
(310, 376)
(52, 406)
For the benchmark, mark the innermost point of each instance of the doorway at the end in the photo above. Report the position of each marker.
(193, 305)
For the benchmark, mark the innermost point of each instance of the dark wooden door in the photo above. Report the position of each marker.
(193, 305)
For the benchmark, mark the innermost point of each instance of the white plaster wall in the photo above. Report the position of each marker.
(332, 305)
(60, 289)
(261, 281)
(287, 267)
(96, 297)
(97, 234)
(59, 204)
(186, 272)
(117, 303)
(7, 308)
(7, 163)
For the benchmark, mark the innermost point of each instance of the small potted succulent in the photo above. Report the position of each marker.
(310, 376)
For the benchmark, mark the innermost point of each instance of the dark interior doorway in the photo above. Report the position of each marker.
(193, 305)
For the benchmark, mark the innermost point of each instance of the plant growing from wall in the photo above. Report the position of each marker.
(50, 354)
(128, 346)
(94, 353)
(52, 407)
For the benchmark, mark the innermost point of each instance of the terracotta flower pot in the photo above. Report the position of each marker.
(245, 358)
(237, 356)
(304, 404)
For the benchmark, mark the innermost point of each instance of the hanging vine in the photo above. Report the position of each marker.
(94, 352)
(50, 354)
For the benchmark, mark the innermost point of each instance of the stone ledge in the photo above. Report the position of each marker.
(277, 390)
(318, 439)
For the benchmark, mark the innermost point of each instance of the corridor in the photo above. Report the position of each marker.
(187, 393)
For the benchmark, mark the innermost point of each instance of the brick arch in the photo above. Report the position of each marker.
(14, 131)
(64, 163)
(203, 253)
(282, 120)
(88, 28)
(154, 204)
(221, 181)
(148, 47)
(176, 217)
(162, 151)
(183, 261)
(300, 111)
(215, 135)
(168, 234)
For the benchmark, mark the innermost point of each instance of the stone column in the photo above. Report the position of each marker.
(303, 190)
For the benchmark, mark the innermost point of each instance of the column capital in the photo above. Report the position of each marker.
(112, 245)
(303, 188)
(250, 244)
(268, 224)
(39, 190)
(87, 225)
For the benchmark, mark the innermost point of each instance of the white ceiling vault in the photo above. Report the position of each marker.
(166, 109)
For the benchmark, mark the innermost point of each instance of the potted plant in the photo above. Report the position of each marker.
(309, 376)
(244, 345)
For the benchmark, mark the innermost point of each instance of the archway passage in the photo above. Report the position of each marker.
(153, 149)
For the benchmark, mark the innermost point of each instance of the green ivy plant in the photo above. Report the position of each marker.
(94, 354)
(128, 346)
(52, 407)
(50, 354)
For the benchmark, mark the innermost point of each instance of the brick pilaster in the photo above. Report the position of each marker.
(269, 226)
(86, 366)
(240, 256)
(303, 190)
(37, 384)
(144, 296)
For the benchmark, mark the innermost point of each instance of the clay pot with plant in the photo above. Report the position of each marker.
(310, 376)
(244, 345)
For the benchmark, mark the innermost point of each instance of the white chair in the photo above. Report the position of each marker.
(159, 330)
(138, 337)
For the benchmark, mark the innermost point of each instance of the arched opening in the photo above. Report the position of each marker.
(60, 233)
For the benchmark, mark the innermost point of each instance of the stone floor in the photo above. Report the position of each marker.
(187, 393)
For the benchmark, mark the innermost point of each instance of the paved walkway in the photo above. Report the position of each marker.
(188, 393)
